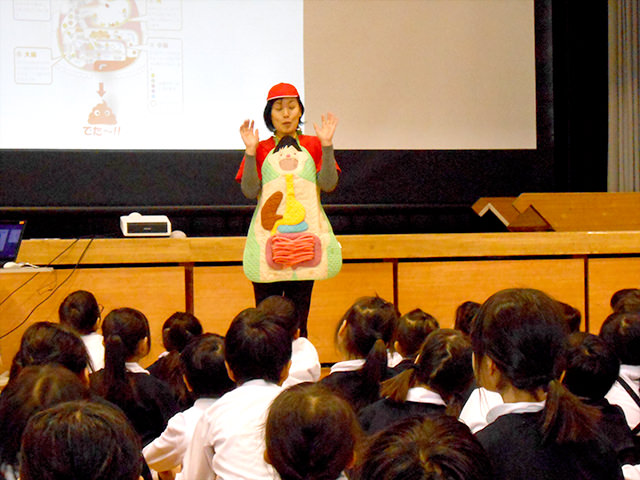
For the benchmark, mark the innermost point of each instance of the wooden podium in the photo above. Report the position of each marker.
(565, 212)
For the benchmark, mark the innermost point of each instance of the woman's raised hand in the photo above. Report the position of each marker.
(250, 137)
(327, 129)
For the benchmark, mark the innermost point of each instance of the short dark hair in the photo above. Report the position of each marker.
(284, 309)
(80, 310)
(202, 361)
(266, 115)
(591, 366)
(178, 329)
(622, 331)
(310, 433)
(256, 347)
(626, 300)
(412, 328)
(464, 316)
(45, 343)
(80, 439)
(572, 316)
(425, 448)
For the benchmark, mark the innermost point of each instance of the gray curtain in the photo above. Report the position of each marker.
(624, 96)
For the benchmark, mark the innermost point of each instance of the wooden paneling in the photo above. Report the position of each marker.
(606, 276)
(155, 291)
(439, 287)
(220, 293)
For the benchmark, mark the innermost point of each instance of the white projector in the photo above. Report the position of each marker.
(136, 225)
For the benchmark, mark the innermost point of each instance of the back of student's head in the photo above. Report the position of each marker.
(572, 316)
(80, 440)
(411, 330)
(523, 331)
(444, 365)
(431, 448)
(80, 311)
(626, 300)
(256, 347)
(284, 309)
(311, 433)
(125, 331)
(178, 329)
(464, 316)
(45, 343)
(591, 366)
(622, 331)
(202, 361)
(34, 389)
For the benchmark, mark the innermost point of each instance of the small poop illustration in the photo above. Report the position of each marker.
(102, 115)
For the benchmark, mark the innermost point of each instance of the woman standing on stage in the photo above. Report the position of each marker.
(290, 241)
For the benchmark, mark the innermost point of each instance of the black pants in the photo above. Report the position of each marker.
(298, 291)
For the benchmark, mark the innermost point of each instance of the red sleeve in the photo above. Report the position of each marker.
(312, 144)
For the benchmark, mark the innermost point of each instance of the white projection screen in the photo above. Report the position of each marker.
(183, 74)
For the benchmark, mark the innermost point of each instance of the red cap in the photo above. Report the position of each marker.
(282, 90)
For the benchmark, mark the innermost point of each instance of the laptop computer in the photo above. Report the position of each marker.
(10, 239)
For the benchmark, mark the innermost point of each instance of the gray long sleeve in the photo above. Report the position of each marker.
(250, 183)
(328, 174)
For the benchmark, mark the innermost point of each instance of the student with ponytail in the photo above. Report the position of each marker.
(435, 385)
(147, 401)
(542, 431)
(362, 338)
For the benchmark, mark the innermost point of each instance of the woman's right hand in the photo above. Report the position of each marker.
(250, 137)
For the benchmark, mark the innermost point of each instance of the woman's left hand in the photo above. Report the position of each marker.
(327, 129)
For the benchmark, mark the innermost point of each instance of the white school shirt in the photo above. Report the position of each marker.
(475, 410)
(617, 395)
(305, 363)
(95, 347)
(228, 441)
(167, 451)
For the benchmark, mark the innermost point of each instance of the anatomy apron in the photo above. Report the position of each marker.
(290, 237)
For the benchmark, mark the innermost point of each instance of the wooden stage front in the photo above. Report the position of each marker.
(435, 272)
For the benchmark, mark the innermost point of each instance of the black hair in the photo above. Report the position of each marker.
(425, 448)
(512, 328)
(310, 433)
(35, 388)
(80, 439)
(50, 343)
(444, 365)
(178, 329)
(572, 316)
(123, 329)
(411, 330)
(202, 361)
(284, 309)
(266, 115)
(464, 316)
(622, 331)
(287, 141)
(591, 366)
(256, 347)
(80, 311)
(626, 300)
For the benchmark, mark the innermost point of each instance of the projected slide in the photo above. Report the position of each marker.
(141, 74)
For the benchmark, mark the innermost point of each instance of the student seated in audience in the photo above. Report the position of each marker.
(622, 331)
(411, 330)
(202, 364)
(81, 312)
(591, 368)
(305, 362)
(542, 431)
(80, 440)
(177, 330)
(572, 316)
(45, 343)
(435, 385)
(311, 433)
(362, 338)
(464, 316)
(626, 300)
(424, 448)
(35, 388)
(147, 401)
(228, 442)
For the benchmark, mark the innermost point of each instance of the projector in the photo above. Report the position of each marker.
(136, 225)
